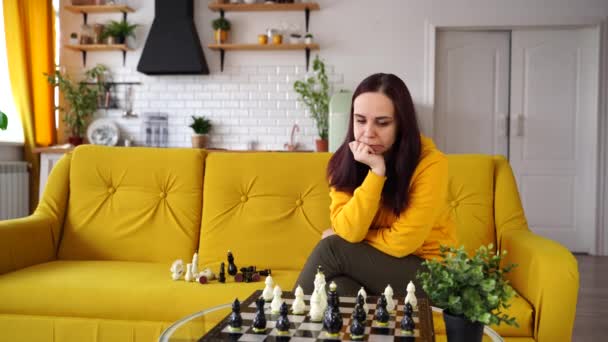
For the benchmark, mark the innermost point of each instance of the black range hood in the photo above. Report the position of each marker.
(173, 46)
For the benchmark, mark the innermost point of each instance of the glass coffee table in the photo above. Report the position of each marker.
(191, 327)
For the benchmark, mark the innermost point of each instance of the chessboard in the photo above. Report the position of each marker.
(302, 329)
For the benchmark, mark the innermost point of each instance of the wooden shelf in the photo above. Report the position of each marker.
(257, 47)
(311, 6)
(98, 47)
(99, 9)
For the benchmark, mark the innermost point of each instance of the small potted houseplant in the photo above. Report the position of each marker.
(221, 26)
(471, 291)
(3, 121)
(116, 32)
(308, 38)
(74, 38)
(201, 127)
(82, 100)
(314, 92)
(295, 38)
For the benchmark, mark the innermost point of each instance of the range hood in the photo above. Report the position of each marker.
(173, 46)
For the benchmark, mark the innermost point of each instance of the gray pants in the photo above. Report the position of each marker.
(353, 265)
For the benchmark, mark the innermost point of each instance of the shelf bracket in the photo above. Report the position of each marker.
(85, 17)
(221, 13)
(222, 53)
(307, 58)
(307, 15)
(84, 58)
(124, 57)
(124, 16)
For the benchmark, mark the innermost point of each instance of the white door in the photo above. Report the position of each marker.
(553, 142)
(472, 94)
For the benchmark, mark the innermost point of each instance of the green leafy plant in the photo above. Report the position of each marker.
(201, 125)
(314, 92)
(471, 287)
(221, 23)
(3, 121)
(119, 30)
(308, 35)
(81, 97)
(73, 35)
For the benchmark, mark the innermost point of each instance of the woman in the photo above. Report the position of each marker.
(388, 187)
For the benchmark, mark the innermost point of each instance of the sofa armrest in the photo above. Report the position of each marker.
(547, 276)
(25, 241)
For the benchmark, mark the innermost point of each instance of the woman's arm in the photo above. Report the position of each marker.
(427, 193)
(351, 216)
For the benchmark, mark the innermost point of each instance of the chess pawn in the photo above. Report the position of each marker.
(177, 269)
(298, 307)
(195, 265)
(382, 316)
(236, 321)
(267, 294)
(188, 277)
(282, 324)
(222, 276)
(407, 325)
(259, 320)
(357, 329)
(316, 314)
(359, 314)
(364, 295)
(232, 269)
(390, 302)
(275, 306)
(411, 295)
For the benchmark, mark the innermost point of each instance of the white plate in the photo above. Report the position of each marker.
(103, 132)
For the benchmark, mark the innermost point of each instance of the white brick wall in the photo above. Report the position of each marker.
(249, 106)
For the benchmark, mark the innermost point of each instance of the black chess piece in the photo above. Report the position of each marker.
(382, 315)
(222, 276)
(232, 270)
(356, 330)
(259, 320)
(359, 313)
(236, 321)
(265, 272)
(407, 325)
(282, 324)
(408, 310)
(332, 321)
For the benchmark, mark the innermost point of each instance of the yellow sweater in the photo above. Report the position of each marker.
(420, 228)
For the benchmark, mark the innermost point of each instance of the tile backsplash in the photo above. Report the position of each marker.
(251, 107)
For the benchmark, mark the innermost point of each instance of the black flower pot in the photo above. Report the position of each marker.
(460, 329)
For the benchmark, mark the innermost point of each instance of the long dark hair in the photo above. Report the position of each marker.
(345, 174)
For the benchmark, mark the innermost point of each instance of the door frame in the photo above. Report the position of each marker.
(427, 110)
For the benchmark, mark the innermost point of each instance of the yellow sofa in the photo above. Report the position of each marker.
(92, 263)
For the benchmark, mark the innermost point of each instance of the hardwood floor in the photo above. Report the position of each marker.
(591, 322)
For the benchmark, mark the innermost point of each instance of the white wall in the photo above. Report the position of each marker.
(357, 38)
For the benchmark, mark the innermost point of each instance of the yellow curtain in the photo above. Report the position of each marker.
(30, 39)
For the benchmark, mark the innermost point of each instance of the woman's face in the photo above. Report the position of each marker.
(374, 121)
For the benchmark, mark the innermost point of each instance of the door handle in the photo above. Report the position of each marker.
(520, 125)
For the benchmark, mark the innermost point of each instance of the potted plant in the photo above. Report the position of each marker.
(221, 26)
(3, 121)
(201, 127)
(295, 38)
(82, 100)
(308, 38)
(116, 32)
(73, 38)
(471, 291)
(314, 92)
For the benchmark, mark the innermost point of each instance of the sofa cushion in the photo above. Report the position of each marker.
(269, 209)
(133, 204)
(117, 290)
(471, 199)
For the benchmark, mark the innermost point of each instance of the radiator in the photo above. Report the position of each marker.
(14, 190)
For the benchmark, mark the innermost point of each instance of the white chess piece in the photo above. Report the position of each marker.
(316, 314)
(177, 269)
(364, 295)
(189, 277)
(320, 287)
(277, 301)
(298, 307)
(411, 296)
(267, 293)
(208, 273)
(390, 302)
(195, 265)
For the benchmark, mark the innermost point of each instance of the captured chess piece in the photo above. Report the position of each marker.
(206, 275)
(282, 324)
(232, 270)
(177, 269)
(259, 320)
(332, 322)
(189, 276)
(382, 316)
(265, 272)
(236, 321)
(222, 276)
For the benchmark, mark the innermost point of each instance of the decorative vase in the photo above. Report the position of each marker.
(308, 40)
(460, 329)
(221, 36)
(75, 140)
(199, 140)
(321, 145)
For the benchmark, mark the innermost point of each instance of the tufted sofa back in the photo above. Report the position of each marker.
(133, 204)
